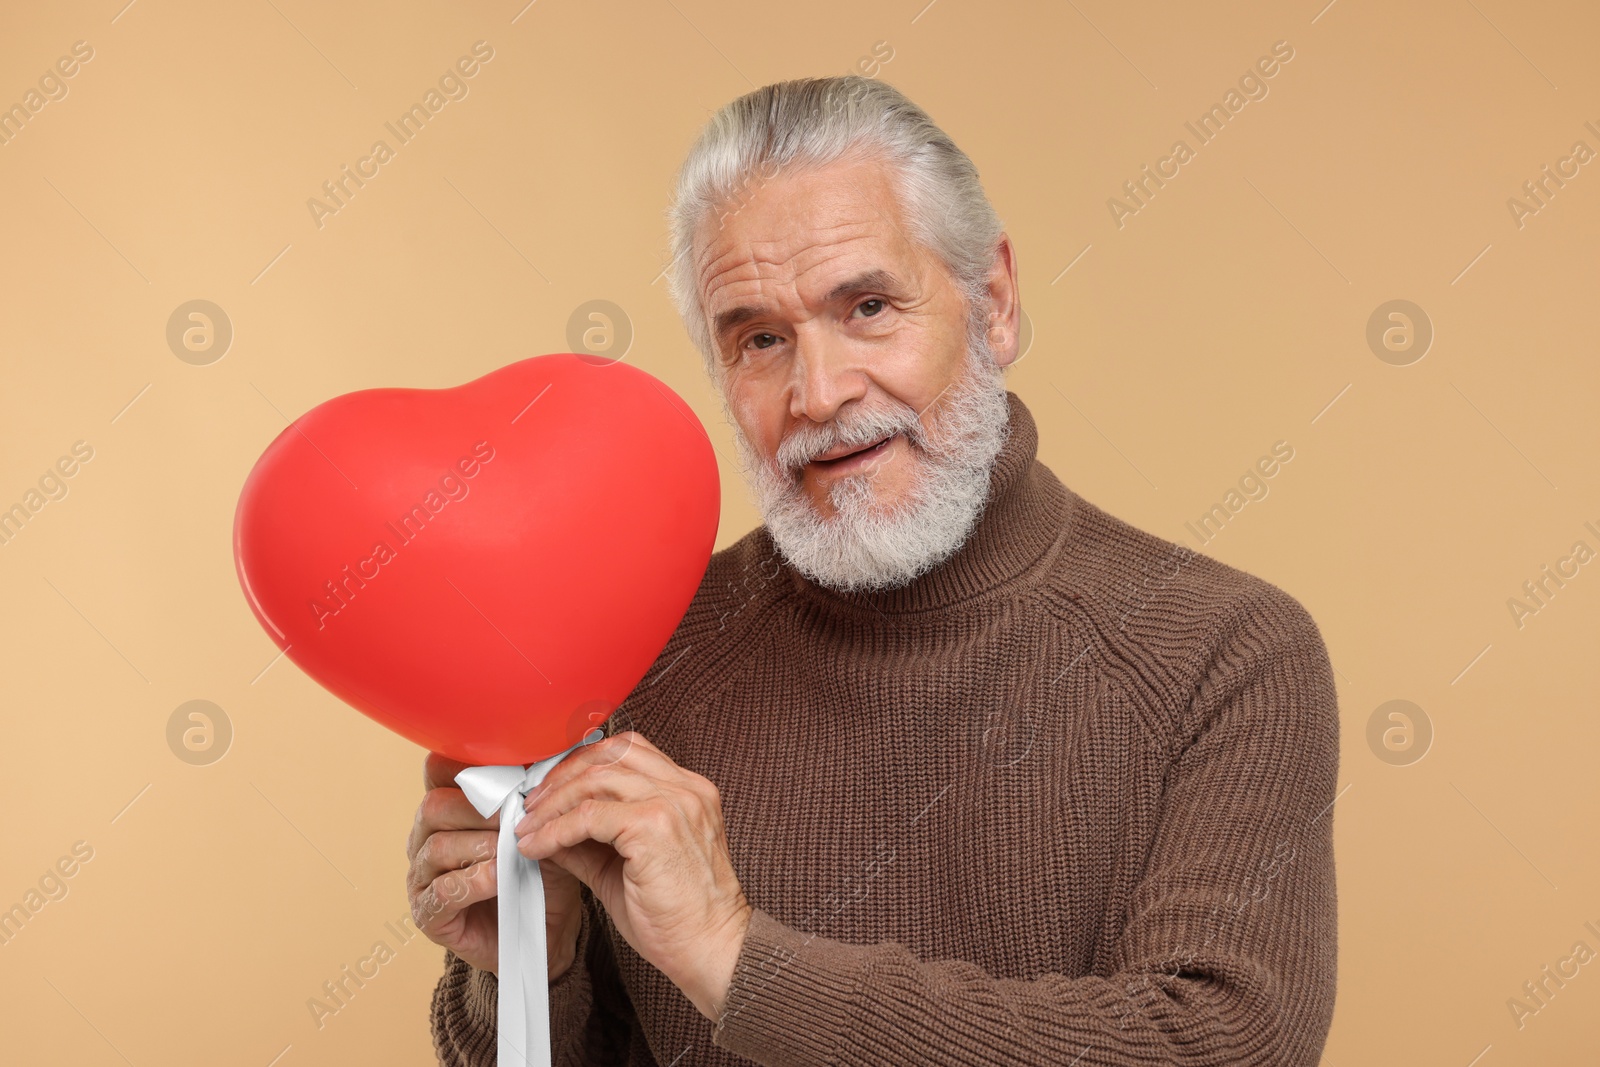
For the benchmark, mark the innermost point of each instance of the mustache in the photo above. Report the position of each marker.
(861, 429)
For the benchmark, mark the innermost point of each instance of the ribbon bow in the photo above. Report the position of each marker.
(524, 1003)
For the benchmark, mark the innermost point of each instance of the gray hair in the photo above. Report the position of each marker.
(811, 122)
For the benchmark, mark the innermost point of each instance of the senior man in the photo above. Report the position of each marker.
(944, 764)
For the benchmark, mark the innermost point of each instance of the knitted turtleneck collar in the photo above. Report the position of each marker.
(1025, 514)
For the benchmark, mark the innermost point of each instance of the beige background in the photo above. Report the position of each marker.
(1229, 313)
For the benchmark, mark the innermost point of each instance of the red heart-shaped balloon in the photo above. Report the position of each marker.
(488, 570)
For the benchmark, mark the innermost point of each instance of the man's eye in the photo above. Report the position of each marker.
(870, 303)
(755, 339)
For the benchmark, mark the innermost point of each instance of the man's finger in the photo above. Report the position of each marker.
(628, 750)
(600, 781)
(440, 770)
(619, 824)
(586, 861)
(448, 894)
(446, 809)
(636, 738)
(449, 850)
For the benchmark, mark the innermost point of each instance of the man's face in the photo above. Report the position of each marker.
(867, 404)
(834, 330)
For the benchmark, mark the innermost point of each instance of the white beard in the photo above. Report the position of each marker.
(872, 546)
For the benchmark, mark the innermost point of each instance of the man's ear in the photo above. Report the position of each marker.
(1005, 306)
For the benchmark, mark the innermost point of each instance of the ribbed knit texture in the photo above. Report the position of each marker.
(1066, 800)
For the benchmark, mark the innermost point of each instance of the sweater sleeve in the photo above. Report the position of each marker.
(1227, 954)
(591, 1018)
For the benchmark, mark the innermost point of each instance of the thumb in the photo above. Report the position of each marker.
(440, 770)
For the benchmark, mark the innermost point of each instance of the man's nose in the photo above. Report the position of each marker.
(827, 375)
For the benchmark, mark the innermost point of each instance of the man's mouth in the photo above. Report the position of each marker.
(856, 453)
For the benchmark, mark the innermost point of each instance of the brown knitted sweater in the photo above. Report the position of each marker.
(1066, 800)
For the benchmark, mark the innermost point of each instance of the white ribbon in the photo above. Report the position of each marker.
(524, 976)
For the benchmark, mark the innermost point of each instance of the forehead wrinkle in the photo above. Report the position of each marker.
(783, 272)
(796, 225)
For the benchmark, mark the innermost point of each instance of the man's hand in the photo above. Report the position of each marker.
(452, 883)
(646, 836)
